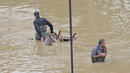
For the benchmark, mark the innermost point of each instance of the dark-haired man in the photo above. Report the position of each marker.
(99, 52)
(40, 25)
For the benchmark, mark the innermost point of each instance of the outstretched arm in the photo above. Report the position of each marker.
(50, 26)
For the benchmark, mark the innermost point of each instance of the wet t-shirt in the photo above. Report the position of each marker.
(97, 50)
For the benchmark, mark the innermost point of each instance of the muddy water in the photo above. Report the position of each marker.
(92, 20)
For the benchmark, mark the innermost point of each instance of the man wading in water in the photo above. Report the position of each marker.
(99, 52)
(40, 25)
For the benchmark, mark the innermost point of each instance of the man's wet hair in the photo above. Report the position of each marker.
(101, 41)
(36, 13)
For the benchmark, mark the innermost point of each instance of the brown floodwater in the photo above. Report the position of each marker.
(92, 20)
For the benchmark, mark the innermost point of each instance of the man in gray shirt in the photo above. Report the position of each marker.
(99, 52)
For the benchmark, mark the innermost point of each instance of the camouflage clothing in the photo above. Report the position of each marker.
(43, 29)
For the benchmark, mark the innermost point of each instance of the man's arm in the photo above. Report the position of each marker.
(100, 55)
(50, 26)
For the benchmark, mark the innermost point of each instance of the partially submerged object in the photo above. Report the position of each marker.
(52, 37)
(64, 38)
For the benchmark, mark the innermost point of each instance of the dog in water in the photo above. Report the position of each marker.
(52, 37)
(63, 38)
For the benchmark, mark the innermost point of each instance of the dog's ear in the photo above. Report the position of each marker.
(59, 34)
(74, 35)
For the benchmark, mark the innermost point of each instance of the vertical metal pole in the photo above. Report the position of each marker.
(36, 6)
(71, 41)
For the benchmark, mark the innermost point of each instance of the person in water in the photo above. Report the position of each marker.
(99, 52)
(40, 25)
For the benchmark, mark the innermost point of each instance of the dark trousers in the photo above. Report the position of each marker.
(37, 36)
(99, 59)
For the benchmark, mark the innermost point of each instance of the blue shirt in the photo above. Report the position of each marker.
(97, 49)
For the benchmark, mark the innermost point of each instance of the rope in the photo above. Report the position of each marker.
(36, 5)
(71, 41)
